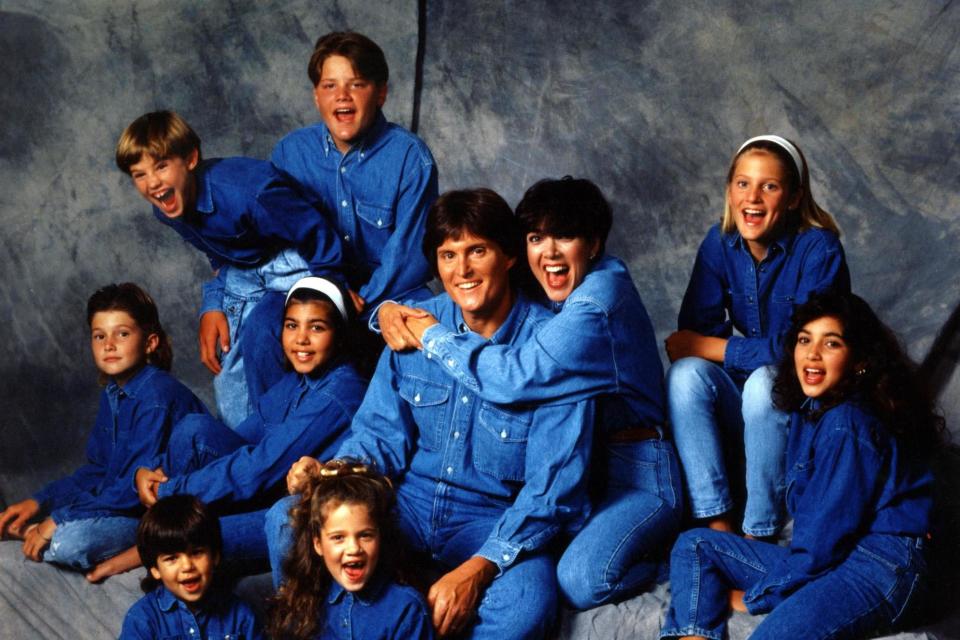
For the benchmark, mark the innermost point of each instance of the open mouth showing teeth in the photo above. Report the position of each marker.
(557, 268)
(468, 285)
(165, 196)
(753, 214)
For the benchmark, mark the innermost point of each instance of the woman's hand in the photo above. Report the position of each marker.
(393, 319)
(148, 483)
(301, 471)
(37, 538)
(359, 304)
(454, 597)
(214, 331)
(686, 344)
(15, 516)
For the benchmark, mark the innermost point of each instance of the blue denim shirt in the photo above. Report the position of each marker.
(131, 431)
(246, 212)
(728, 290)
(383, 610)
(600, 342)
(160, 616)
(377, 196)
(446, 442)
(847, 477)
(298, 416)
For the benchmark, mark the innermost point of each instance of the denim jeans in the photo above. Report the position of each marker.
(243, 290)
(713, 421)
(620, 550)
(457, 536)
(868, 592)
(82, 544)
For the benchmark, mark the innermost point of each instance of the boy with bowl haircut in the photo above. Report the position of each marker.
(179, 542)
(259, 232)
(375, 179)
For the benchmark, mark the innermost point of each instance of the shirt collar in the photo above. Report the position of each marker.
(367, 596)
(134, 384)
(511, 325)
(783, 243)
(365, 144)
(201, 174)
(166, 600)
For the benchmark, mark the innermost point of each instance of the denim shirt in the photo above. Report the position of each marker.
(377, 196)
(449, 444)
(600, 342)
(131, 431)
(298, 416)
(847, 477)
(728, 290)
(160, 616)
(383, 610)
(246, 212)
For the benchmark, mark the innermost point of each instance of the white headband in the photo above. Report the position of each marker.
(783, 142)
(324, 286)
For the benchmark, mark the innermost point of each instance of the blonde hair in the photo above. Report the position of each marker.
(807, 214)
(158, 134)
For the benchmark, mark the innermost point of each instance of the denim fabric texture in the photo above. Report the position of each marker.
(82, 544)
(159, 614)
(382, 610)
(376, 196)
(623, 546)
(728, 290)
(717, 427)
(132, 429)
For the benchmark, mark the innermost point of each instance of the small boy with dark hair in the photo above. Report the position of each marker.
(259, 232)
(375, 179)
(179, 542)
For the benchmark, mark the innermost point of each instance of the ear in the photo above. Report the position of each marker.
(153, 341)
(215, 559)
(155, 573)
(317, 546)
(595, 248)
(510, 262)
(381, 94)
(316, 98)
(795, 200)
(193, 159)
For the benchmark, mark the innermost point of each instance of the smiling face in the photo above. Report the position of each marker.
(167, 183)
(347, 102)
(559, 264)
(475, 273)
(188, 574)
(821, 356)
(120, 347)
(758, 199)
(309, 333)
(349, 543)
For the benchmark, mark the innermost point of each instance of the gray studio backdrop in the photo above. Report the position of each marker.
(648, 99)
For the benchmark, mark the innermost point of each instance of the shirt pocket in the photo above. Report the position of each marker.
(781, 309)
(798, 476)
(500, 442)
(428, 403)
(376, 217)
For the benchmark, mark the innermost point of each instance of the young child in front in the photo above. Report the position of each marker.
(92, 514)
(258, 231)
(859, 488)
(179, 542)
(340, 571)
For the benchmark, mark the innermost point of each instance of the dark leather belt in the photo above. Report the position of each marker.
(634, 434)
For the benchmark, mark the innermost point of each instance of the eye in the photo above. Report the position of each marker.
(359, 84)
(337, 537)
(771, 187)
(98, 336)
(290, 326)
(742, 184)
(803, 340)
(368, 535)
(479, 251)
(835, 344)
(161, 165)
(318, 327)
(446, 255)
(123, 334)
(534, 238)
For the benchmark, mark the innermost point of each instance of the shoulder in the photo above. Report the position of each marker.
(304, 139)
(404, 600)
(817, 239)
(852, 420)
(162, 389)
(400, 138)
(142, 619)
(608, 285)
(344, 386)
(229, 175)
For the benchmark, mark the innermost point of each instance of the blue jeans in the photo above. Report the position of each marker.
(713, 421)
(619, 551)
(243, 290)
(531, 580)
(82, 544)
(868, 592)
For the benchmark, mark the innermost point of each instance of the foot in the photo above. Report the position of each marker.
(119, 563)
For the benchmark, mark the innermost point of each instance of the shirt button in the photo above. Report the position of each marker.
(343, 169)
(429, 357)
(506, 557)
(464, 399)
(379, 223)
(450, 470)
(343, 203)
(431, 343)
(416, 398)
(347, 237)
(456, 434)
(749, 298)
(361, 154)
(503, 434)
(451, 362)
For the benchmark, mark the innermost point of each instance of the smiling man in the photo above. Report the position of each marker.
(483, 488)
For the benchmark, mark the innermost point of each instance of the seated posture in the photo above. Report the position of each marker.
(258, 231)
(340, 571)
(858, 487)
(92, 514)
(179, 541)
(774, 247)
(599, 344)
(483, 488)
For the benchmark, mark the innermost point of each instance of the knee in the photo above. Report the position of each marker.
(687, 378)
(69, 549)
(757, 399)
(277, 519)
(579, 585)
(532, 582)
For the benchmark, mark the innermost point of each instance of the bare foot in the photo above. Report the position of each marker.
(120, 563)
(720, 523)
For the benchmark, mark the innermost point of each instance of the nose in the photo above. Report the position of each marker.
(186, 562)
(813, 351)
(550, 247)
(342, 92)
(109, 344)
(753, 193)
(302, 336)
(464, 267)
(353, 546)
(153, 180)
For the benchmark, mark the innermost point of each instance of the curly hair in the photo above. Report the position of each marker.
(294, 611)
(885, 380)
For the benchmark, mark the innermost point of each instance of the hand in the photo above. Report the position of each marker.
(736, 601)
(37, 538)
(686, 343)
(454, 597)
(301, 471)
(15, 516)
(148, 484)
(214, 331)
(393, 325)
(418, 324)
(359, 304)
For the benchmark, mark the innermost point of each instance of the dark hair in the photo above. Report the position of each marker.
(363, 53)
(159, 134)
(566, 208)
(130, 298)
(297, 605)
(884, 379)
(172, 525)
(481, 212)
